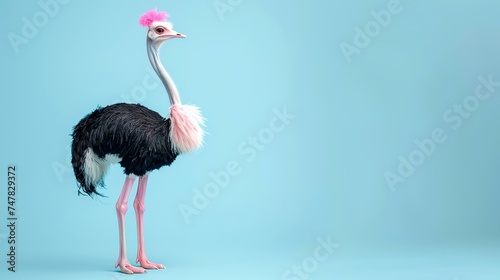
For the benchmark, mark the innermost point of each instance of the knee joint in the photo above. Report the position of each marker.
(121, 208)
(139, 206)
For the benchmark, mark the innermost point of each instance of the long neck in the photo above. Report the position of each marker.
(167, 81)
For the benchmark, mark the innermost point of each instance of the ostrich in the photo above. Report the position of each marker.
(138, 138)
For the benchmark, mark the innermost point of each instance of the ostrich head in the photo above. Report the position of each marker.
(160, 30)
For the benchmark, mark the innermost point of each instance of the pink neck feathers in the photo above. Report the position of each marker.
(186, 133)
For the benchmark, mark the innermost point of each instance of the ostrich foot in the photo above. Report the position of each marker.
(149, 265)
(127, 268)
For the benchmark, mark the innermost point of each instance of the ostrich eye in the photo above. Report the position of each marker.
(160, 30)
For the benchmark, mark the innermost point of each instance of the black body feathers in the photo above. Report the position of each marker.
(132, 132)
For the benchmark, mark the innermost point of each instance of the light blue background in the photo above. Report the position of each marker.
(323, 175)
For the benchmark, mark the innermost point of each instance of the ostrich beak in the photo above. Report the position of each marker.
(170, 34)
(179, 35)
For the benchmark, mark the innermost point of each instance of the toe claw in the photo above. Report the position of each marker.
(149, 265)
(127, 268)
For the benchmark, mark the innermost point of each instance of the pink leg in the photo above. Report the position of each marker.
(121, 209)
(139, 212)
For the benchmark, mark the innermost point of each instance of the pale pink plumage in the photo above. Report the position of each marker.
(186, 133)
(151, 16)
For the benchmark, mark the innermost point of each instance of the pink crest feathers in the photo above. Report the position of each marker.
(151, 16)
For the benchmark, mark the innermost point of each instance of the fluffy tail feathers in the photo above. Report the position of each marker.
(88, 167)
